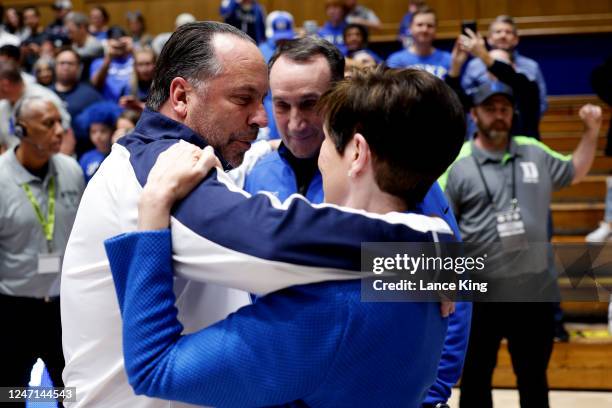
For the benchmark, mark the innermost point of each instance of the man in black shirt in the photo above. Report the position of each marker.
(500, 66)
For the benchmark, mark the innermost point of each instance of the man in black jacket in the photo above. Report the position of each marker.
(500, 66)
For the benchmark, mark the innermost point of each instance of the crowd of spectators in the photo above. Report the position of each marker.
(95, 79)
(348, 27)
(116, 63)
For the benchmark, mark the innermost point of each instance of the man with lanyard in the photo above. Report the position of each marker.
(12, 89)
(300, 72)
(41, 190)
(494, 178)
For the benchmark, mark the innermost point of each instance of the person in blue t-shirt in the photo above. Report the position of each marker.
(333, 29)
(99, 120)
(98, 19)
(111, 74)
(422, 54)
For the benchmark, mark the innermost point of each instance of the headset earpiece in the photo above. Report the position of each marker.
(20, 131)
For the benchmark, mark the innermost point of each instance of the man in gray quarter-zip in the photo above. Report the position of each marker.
(500, 189)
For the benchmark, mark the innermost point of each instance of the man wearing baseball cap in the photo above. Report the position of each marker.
(499, 173)
(279, 27)
(57, 30)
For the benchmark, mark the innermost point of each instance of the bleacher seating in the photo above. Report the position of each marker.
(583, 363)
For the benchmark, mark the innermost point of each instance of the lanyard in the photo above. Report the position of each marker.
(47, 224)
(513, 201)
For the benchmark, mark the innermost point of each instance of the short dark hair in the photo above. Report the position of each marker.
(102, 10)
(190, 54)
(425, 10)
(306, 48)
(362, 30)
(77, 18)
(70, 50)
(137, 16)
(412, 121)
(10, 70)
(505, 19)
(336, 3)
(11, 51)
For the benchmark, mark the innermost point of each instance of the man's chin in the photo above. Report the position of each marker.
(505, 47)
(497, 136)
(306, 148)
(235, 156)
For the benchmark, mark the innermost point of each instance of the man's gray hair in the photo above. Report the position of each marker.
(79, 19)
(189, 54)
(22, 107)
(307, 48)
(505, 19)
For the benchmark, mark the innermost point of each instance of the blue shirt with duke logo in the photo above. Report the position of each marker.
(437, 63)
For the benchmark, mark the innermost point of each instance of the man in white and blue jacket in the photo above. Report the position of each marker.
(210, 81)
(312, 345)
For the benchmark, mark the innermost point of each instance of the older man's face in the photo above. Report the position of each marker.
(228, 110)
(44, 128)
(296, 87)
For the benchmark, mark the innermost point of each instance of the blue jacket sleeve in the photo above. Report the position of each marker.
(457, 335)
(453, 354)
(227, 7)
(543, 91)
(262, 355)
(474, 70)
(404, 27)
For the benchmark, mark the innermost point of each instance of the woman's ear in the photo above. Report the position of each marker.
(360, 155)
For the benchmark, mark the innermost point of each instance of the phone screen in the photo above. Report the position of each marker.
(471, 24)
